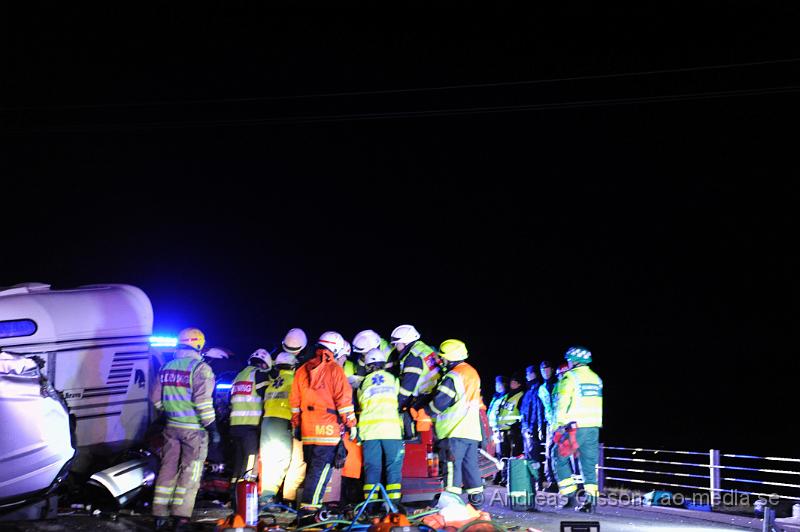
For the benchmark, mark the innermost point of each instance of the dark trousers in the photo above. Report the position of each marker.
(460, 459)
(384, 456)
(245, 451)
(532, 449)
(588, 453)
(319, 466)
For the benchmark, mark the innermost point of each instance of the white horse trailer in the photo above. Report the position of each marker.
(94, 341)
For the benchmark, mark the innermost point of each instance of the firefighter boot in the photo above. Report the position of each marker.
(587, 506)
(572, 502)
(162, 523)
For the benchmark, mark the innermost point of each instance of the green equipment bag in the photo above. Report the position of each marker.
(521, 487)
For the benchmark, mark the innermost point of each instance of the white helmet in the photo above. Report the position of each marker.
(373, 356)
(366, 340)
(262, 355)
(333, 341)
(285, 358)
(345, 352)
(404, 334)
(295, 341)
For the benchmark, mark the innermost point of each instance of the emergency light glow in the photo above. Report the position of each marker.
(224, 386)
(163, 341)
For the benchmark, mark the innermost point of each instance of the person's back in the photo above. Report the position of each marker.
(320, 399)
(379, 426)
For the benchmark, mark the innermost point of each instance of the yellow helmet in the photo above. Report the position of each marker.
(192, 338)
(453, 350)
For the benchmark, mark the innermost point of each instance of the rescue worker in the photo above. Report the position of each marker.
(365, 341)
(500, 387)
(320, 398)
(281, 454)
(455, 408)
(531, 411)
(351, 472)
(184, 390)
(380, 428)
(295, 342)
(419, 367)
(509, 422)
(546, 422)
(579, 403)
(247, 396)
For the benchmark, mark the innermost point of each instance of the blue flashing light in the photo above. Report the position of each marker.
(163, 341)
(224, 386)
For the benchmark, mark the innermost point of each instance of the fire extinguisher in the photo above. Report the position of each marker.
(247, 501)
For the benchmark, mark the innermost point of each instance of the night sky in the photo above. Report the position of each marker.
(492, 180)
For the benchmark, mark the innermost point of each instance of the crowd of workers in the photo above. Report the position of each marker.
(545, 416)
(351, 407)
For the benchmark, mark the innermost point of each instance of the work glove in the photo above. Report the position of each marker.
(213, 434)
(353, 433)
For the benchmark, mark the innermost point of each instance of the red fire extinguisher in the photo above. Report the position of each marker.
(247, 501)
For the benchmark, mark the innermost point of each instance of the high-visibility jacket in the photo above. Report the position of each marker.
(245, 399)
(579, 398)
(185, 391)
(508, 413)
(462, 418)
(320, 398)
(377, 397)
(546, 392)
(276, 397)
(420, 376)
(494, 409)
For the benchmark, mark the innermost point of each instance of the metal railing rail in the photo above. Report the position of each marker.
(713, 465)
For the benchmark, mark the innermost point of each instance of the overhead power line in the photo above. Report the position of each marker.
(388, 115)
(414, 89)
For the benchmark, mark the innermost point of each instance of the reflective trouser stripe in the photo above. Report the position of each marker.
(317, 499)
(567, 486)
(449, 484)
(591, 489)
(367, 489)
(473, 491)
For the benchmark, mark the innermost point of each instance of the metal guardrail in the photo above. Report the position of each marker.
(654, 467)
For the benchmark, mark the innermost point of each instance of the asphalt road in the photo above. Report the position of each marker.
(546, 518)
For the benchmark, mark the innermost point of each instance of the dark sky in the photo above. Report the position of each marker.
(254, 171)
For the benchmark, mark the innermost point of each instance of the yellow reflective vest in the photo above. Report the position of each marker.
(508, 412)
(579, 398)
(377, 396)
(462, 419)
(245, 401)
(276, 396)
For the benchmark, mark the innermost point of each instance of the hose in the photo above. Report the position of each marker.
(481, 522)
(282, 506)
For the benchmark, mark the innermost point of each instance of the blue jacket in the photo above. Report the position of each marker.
(531, 408)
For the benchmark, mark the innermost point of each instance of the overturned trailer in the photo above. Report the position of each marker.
(75, 377)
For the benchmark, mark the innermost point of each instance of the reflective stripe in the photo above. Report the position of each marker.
(568, 490)
(164, 489)
(177, 502)
(320, 440)
(161, 500)
(403, 391)
(447, 391)
(393, 487)
(246, 413)
(473, 491)
(317, 498)
(453, 489)
(418, 371)
(395, 495)
(591, 489)
(180, 491)
(188, 426)
(295, 410)
(450, 477)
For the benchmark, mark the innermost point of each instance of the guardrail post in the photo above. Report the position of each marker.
(601, 473)
(714, 476)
